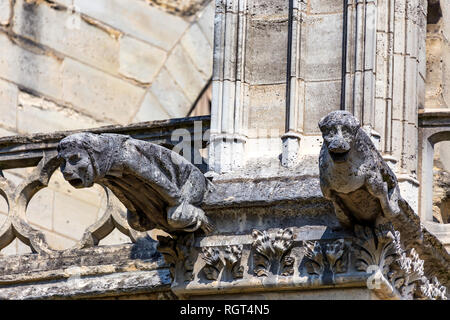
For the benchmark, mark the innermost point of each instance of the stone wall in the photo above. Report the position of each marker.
(75, 64)
(438, 97)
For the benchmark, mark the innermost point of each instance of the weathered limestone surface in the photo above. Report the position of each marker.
(160, 188)
(136, 18)
(151, 108)
(5, 12)
(55, 210)
(52, 49)
(354, 176)
(37, 114)
(139, 60)
(104, 98)
(8, 95)
(277, 65)
(99, 272)
(184, 7)
(85, 42)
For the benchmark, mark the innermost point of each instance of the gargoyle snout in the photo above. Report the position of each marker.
(338, 146)
(68, 172)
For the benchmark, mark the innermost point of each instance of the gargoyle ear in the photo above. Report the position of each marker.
(355, 122)
(58, 149)
(321, 122)
(96, 142)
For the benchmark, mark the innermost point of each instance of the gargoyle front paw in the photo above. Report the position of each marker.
(206, 224)
(394, 208)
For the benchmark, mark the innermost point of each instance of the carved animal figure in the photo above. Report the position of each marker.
(160, 188)
(353, 175)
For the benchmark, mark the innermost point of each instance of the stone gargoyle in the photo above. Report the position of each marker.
(353, 175)
(365, 191)
(159, 187)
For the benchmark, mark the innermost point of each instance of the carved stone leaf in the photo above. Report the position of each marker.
(213, 263)
(283, 241)
(375, 247)
(232, 256)
(432, 290)
(270, 253)
(262, 243)
(336, 254)
(263, 250)
(177, 253)
(261, 265)
(313, 251)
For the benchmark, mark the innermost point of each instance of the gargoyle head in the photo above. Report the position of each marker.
(84, 158)
(339, 129)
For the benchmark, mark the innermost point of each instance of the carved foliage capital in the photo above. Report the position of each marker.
(213, 257)
(331, 256)
(271, 255)
(177, 252)
(403, 269)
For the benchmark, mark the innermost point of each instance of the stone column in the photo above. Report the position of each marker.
(384, 78)
(438, 67)
(228, 114)
(295, 93)
(314, 74)
(409, 65)
(360, 53)
(249, 82)
(445, 6)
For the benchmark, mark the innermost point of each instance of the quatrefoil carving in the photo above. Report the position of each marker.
(18, 198)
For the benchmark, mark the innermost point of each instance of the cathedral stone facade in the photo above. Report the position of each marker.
(277, 149)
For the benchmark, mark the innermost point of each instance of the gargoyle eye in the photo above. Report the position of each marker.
(73, 159)
(325, 129)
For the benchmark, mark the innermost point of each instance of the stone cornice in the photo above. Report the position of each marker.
(27, 150)
(180, 8)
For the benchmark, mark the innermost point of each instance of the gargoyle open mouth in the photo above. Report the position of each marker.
(77, 183)
(339, 156)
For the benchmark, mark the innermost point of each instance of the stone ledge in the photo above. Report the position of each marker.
(65, 264)
(294, 284)
(434, 118)
(117, 284)
(180, 8)
(102, 271)
(27, 150)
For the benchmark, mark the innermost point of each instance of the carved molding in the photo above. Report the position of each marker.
(374, 247)
(315, 264)
(333, 257)
(177, 252)
(18, 198)
(214, 265)
(326, 262)
(404, 270)
(232, 256)
(272, 255)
